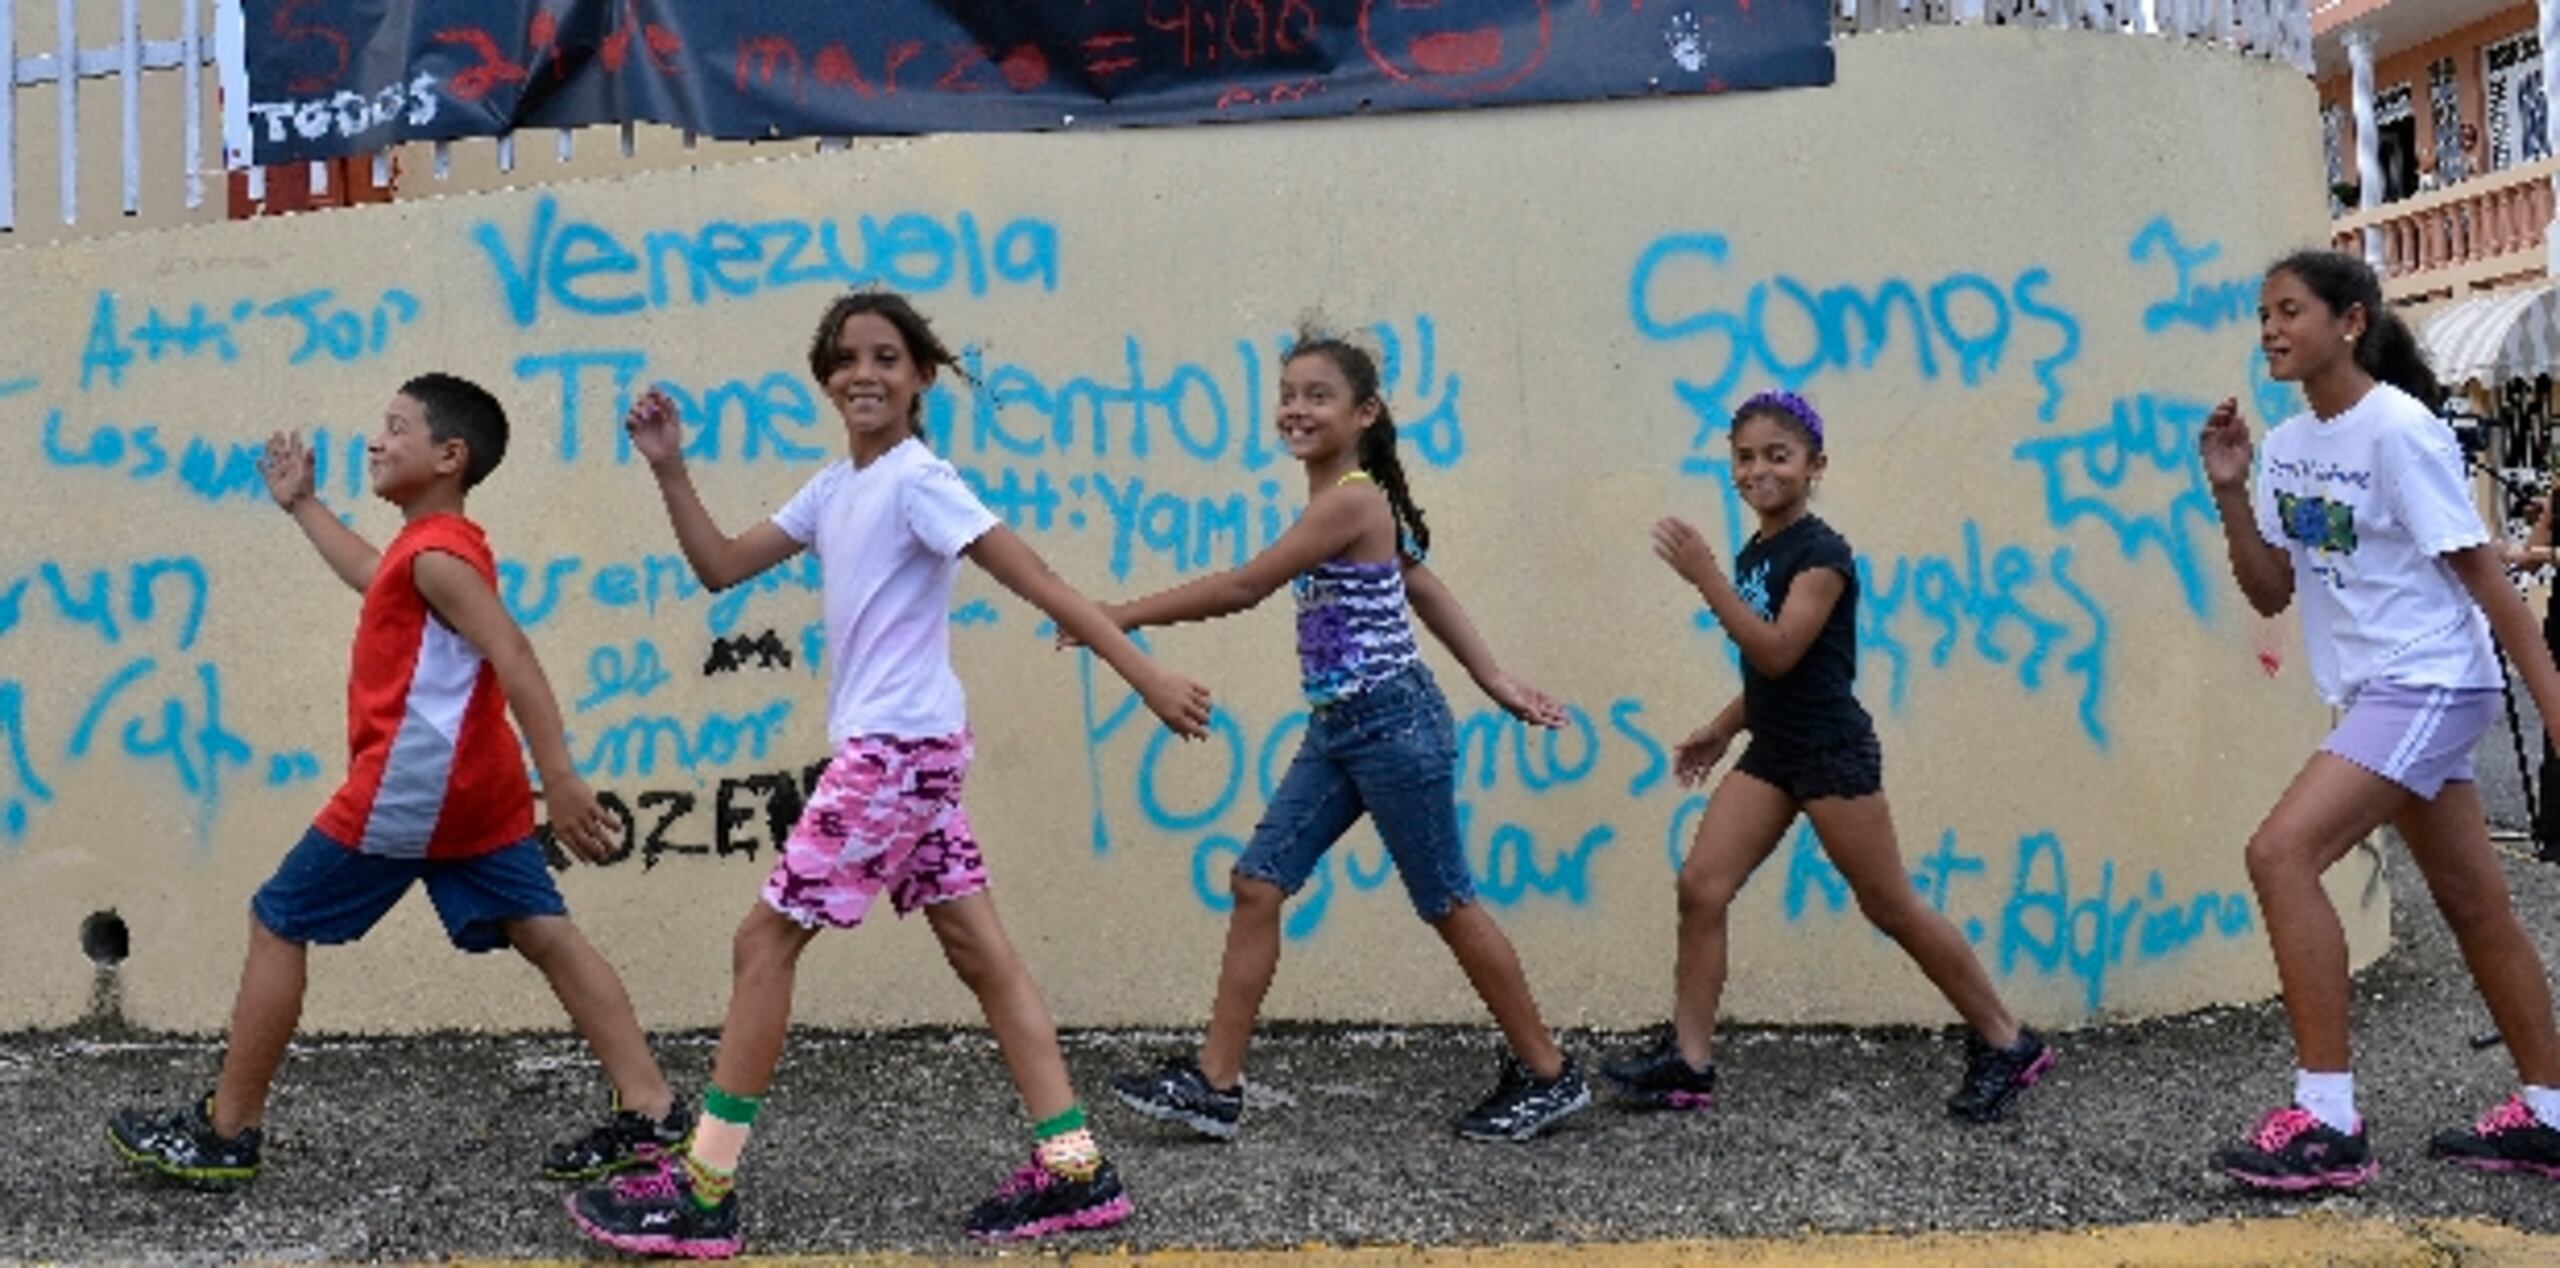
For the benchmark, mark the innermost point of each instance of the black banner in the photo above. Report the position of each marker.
(337, 77)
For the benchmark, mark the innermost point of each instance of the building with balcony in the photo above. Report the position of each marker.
(2439, 136)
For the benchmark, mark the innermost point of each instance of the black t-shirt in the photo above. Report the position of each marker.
(1814, 704)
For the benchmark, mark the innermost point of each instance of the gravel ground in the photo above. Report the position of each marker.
(422, 1147)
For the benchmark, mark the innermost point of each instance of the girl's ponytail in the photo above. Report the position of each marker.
(2389, 351)
(1378, 458)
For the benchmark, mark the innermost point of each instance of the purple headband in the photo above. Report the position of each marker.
(1789, 404)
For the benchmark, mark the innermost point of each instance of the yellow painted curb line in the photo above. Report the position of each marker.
(2315, 1240)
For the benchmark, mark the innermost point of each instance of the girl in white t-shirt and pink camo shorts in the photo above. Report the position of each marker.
(2362, 513)
(890, 524)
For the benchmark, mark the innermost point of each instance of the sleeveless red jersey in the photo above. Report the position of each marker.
(434, 770)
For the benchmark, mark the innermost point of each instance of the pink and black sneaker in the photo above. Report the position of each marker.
(2507, 1138)
(653, 1213)
(1036, 1202)
(1994, 1078)
(1658, 1077)
(2292, 1151)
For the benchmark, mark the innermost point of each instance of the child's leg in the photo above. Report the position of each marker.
(2449, 839)
(1314, 804)
(1857, 835)
(974, 942)
(1493, 968)
(764, 966)
(1245, 971)
(1744, 821)
(2332, 804)
(592, 994)
(263, 1016)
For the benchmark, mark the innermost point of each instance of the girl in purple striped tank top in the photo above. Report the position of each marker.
(1379, 740)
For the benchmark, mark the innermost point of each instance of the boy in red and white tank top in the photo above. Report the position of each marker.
(435, 793)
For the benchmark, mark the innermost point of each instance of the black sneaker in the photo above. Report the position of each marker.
(1179, 1093)
(2508, 1138)
(626, 1139)
(2292, 1151)
(1658, 1077)
(1035, 1202)
(1522, 1104)
(653, 1213)
(182, 1145)
(1994, 1078)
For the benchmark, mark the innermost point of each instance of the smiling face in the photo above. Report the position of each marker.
(2303, 337)
(1774, 466)
(1318, 417)
(405, 459)
(875, 382)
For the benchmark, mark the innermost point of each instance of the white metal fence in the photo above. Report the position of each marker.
(188, 33)
(126, 61)
(2276, 29)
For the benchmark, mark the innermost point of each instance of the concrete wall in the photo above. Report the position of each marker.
(2082, 722)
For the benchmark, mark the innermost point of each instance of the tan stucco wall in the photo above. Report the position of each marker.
(2081, 720)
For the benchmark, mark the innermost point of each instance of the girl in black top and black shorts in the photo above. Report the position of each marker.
(1793, 616)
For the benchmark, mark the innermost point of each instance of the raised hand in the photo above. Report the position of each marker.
(289, 467)
(1678, 542)
(2225, 446)
(656, 432)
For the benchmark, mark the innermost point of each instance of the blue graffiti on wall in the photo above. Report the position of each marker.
(1794, 334)
(549, 266)
(159, 709)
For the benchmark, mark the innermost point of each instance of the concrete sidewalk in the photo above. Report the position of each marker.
(425, 1147)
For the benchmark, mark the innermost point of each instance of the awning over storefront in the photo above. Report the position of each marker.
(2510, 335)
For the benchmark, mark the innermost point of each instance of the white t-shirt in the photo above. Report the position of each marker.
(2368, 503)
(888, 539)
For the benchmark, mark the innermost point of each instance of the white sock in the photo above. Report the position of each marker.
(2545, 1104)
(2331, 1098)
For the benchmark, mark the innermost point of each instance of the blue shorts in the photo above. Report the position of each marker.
(326, 893)
(1391, 752)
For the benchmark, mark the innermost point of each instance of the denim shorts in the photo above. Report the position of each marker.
(326, 893)
(1391, 752)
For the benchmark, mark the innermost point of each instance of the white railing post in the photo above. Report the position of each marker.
(191, 95)
(66, 97)
(129, 71)
(2368, 139)
(2551, 65)
(8, 116)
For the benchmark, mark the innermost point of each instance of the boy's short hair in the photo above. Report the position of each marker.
(459, 409)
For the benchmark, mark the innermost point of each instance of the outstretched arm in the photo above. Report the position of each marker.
(289, 467)
(1773, 646)
(719, 560)
(2513, 624)
(1182, 704)
(1447, 620)
(1333, 522)
(464, 601)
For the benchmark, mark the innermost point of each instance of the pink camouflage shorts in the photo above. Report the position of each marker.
(885, 815)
